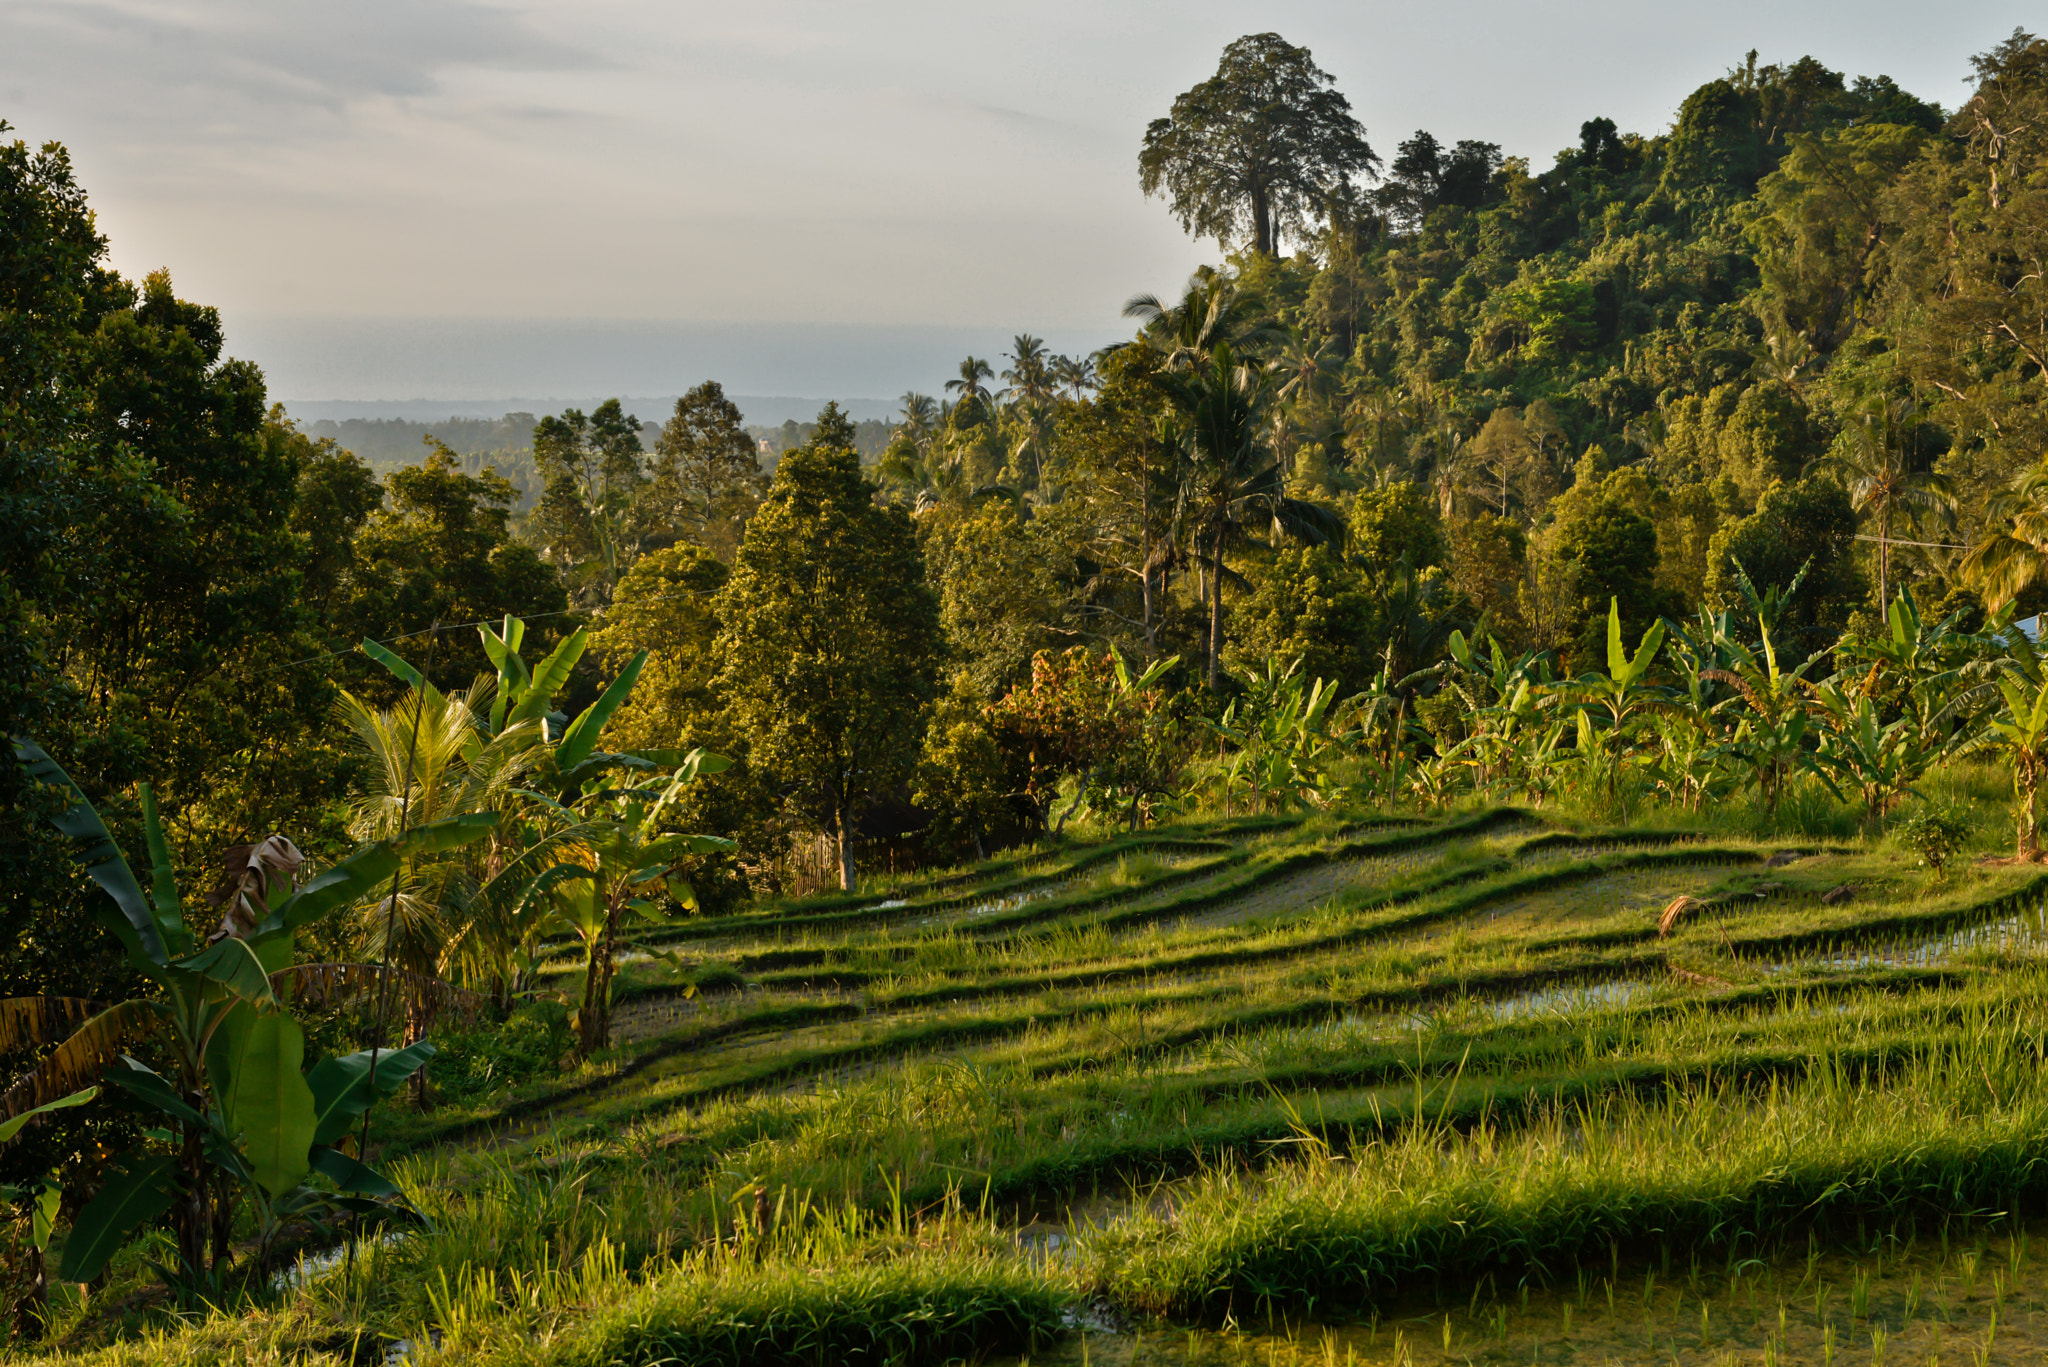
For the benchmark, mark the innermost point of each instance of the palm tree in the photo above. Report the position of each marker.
(1030, 374)
(431, 757)
(973, 393)
(1076, 373)
(1874, 461)
(1030, 394)
(2013, 553)
(1231, 482)
(1209, 313)
(1299, 365)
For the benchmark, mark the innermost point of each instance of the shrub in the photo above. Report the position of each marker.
(1935, 834)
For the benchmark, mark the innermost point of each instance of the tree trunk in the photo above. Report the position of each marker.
(1262, 221)
(191, 1220)
(1145, 564)
(1215, 608)
(1884, 561)
(845, 851)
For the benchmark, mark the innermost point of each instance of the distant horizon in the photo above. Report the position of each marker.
(473, 363)
(758, 410)
(400, 169)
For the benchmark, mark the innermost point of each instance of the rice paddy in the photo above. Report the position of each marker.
(1298, 1091)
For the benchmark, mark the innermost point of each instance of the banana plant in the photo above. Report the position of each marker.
(524, 695)
(248, 1119)
(42, 1195)
(1282, 746)
(2020, 729)
(1502, 700)
(614, 858)
(1940, 678)
(1880, 762)
(478, 913)
(1770, 738)
(1616, 699)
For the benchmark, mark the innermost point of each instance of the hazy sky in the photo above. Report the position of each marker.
(327, 169)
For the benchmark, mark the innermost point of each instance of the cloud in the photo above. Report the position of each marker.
(261, 70)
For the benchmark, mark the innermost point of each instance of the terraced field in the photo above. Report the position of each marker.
(1312, 1070)
(1180, 973)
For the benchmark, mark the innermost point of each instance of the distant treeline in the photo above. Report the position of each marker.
(506, 444)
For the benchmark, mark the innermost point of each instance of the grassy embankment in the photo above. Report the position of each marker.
(1307, 1067)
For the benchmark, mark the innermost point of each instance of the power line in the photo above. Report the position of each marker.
(487, 621)
(1894, 541)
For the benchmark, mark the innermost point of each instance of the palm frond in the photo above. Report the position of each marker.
(26, 1022)
(328, 985)
(80, 1060)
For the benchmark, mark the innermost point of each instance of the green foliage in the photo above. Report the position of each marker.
(1797, 528)
(1260, 149)
(830, 641)
(1935, 833)
(244, 1106)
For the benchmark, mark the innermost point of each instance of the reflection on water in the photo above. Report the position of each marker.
(1975, 1297)
(2025, 932)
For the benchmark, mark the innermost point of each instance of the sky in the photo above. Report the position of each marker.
(464, 199)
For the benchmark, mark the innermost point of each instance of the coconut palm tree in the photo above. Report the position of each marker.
(1231, 484)
(1030, 376)
(973, 393)
(2013, 552)
(1209, 313)
(431, 757)
(1873, 459)
(1076, 373)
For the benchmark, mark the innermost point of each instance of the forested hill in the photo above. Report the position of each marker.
(1799, 337)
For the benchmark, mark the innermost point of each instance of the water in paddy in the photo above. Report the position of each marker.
(2025, 932)
(1980, 1299)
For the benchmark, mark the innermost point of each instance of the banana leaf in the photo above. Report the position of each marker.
(257, 1064)
(135, 1194)
(341, 1085)
(549, 677)
(394, 663)
(234, 965)
(13, 1126)
(349, 1176)
(132, 920)
(581, 737)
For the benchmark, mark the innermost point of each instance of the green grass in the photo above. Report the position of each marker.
(1363, 1055)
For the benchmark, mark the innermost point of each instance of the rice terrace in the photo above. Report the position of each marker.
(1463, 787)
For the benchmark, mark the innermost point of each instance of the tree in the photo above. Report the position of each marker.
(1259, 149)
(1503, 451)
(1232, 484)
(595, 462)
(1424, 175)
(1810, 525)
(974, 395)
(998, 582)
(441, 550)
(706, 475)
(830, 640)
(666, 606)
(1874, 457)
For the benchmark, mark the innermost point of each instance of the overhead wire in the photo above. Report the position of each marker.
(487, 621)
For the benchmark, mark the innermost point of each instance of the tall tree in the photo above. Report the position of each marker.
(974, 395)
(706, 475)
(1258, 150)
(596, 461)
(830, 638)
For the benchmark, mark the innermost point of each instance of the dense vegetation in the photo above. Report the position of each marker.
(1330, 687)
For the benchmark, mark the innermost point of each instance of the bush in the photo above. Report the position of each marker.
(1935, 834)
(492, 1057)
